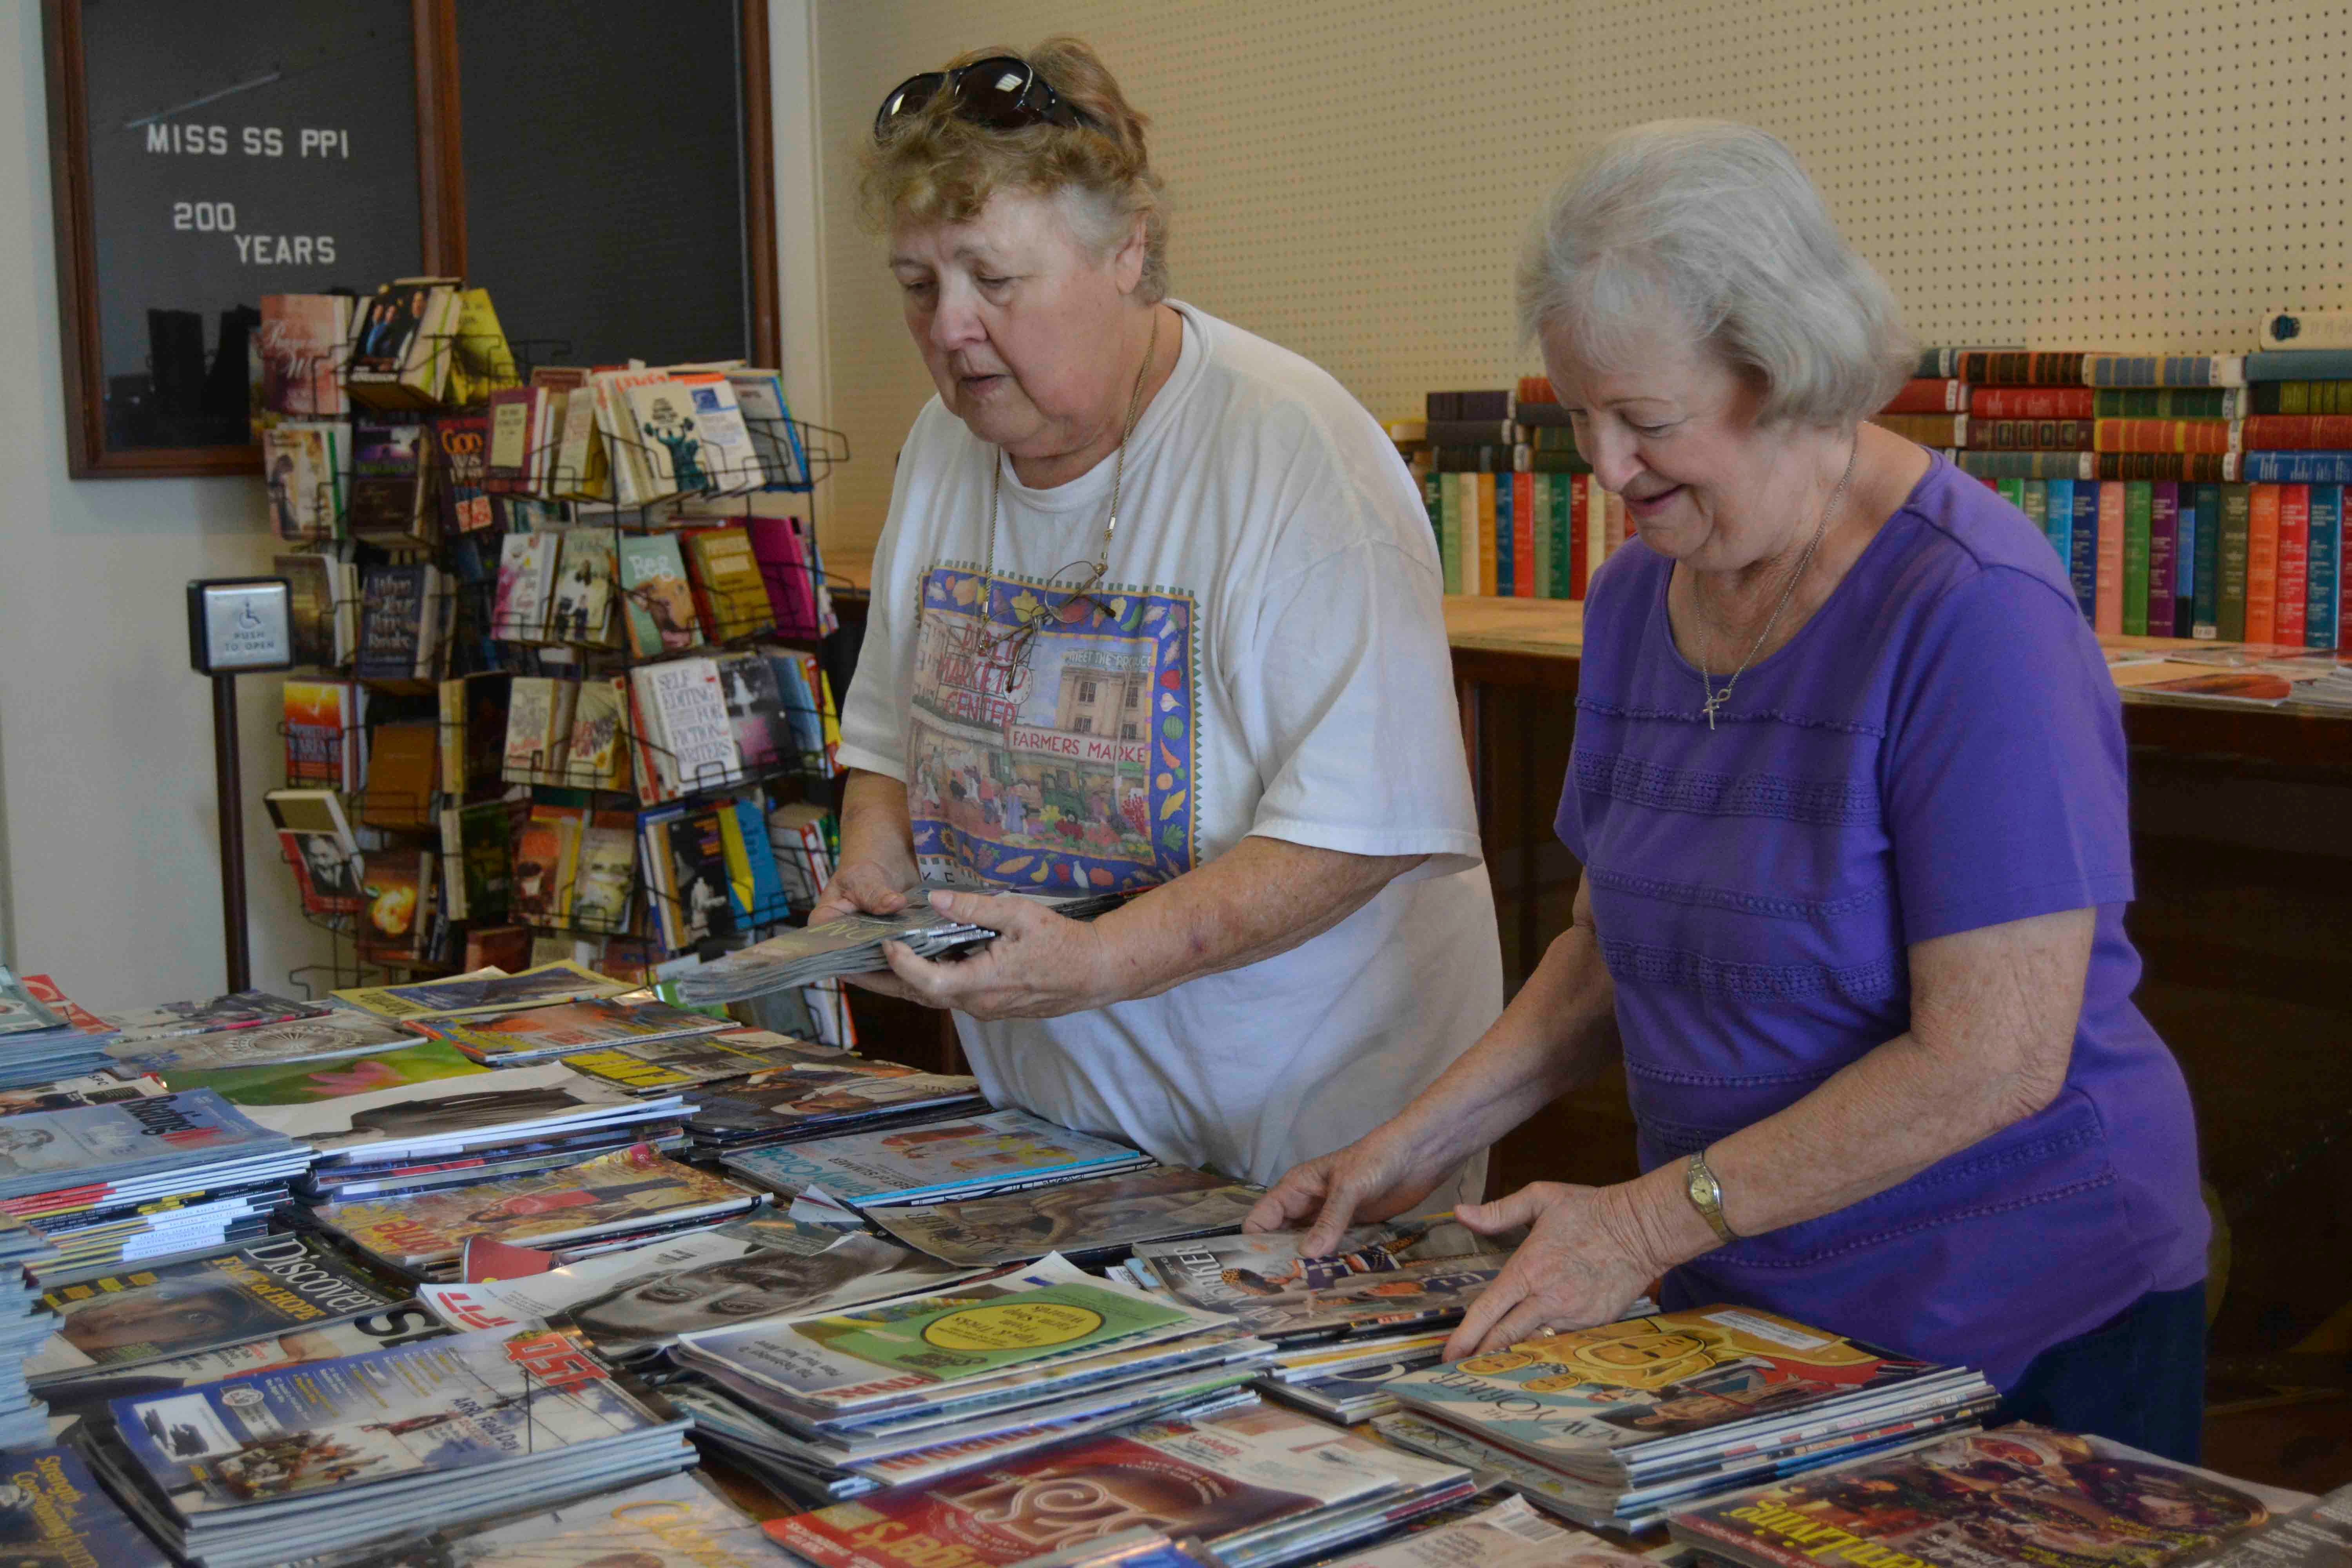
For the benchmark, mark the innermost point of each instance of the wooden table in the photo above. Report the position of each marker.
(1537, 645)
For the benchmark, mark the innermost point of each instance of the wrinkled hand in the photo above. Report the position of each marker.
(865, 887)
(1583, 1263)
(1040, 964)
(1378, 1176)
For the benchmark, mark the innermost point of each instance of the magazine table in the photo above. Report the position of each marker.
(1536, 645)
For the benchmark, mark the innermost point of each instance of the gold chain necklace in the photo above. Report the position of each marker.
(1714, 698)
(1026, 628)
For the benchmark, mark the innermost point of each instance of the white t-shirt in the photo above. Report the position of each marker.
(1266, 656)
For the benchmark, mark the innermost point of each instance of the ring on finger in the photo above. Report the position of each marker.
(1547, 1332)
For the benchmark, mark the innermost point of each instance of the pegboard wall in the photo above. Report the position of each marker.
(1351, 178)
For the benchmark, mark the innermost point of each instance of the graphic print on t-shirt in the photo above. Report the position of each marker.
(1067, 765)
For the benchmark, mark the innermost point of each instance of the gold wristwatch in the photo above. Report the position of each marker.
(1705, 1195)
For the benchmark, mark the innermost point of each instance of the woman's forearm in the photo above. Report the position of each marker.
(875, 823)
(1261, 898)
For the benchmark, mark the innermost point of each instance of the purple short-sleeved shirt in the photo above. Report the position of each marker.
(1939, 749)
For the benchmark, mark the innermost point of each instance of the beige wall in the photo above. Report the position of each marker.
(108, 871)
(1352, 176)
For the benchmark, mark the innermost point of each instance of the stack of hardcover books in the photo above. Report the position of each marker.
(938, 1162)
(1621, 1424)
(147, 1177)
(280, 1465)
(922, 1387)
(1259, 1487)
(43, 1036)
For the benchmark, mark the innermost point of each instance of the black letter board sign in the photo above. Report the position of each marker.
(207, 152)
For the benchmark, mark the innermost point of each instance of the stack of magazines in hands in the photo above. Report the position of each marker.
(280, 1465)
(937, 1162)
(1259, 1487)
(920, 1387)
(1384, 1305)
(852, 945)
(1621, 1424)
(150, 1177)
(2026, 1495)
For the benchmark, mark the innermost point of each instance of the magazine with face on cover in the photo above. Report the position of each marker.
(630, 1187)
(1221, 1478)
(329, 1035)
(434, 1407)
(64, 1093)
(633, 1303)
(2020, 1494)
(1003, 1148)
(1584, 1399)
(224, 1298)
(1074, 1217)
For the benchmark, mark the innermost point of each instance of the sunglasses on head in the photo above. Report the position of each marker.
(1003, 92)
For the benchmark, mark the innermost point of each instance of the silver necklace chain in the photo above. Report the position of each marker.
(1118, 482)
(1715, 699)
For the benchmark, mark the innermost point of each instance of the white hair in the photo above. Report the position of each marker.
(1712, 229)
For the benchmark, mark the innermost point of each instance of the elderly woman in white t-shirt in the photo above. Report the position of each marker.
(1156, 611)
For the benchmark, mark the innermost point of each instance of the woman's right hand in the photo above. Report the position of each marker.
(1380, 1175)
(861, 886)
(877, 865)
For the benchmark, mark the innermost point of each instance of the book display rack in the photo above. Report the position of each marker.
(562, 696)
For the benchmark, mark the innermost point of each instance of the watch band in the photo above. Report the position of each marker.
(1705, 1195)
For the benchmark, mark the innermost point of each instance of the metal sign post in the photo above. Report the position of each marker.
(236, 625)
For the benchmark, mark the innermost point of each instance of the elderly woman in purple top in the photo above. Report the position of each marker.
(1848, 790)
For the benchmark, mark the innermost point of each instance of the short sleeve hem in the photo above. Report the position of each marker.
(1449, 851)
(866, 762)
(2001, 906)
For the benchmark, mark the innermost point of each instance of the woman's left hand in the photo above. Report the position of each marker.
(1040, 964)
(1582, 1263)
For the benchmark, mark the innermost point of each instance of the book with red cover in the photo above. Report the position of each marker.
(2298, 432)
(1580, 532)
(2164, 436)
(2032, 403)
(1523, 536)
(2293, 564)
(2021, 367)
(1929, 396)
(787, 574)
(2262, 563)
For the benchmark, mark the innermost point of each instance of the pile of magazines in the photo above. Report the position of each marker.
(43, 1036)
(937, 1162)
(1621, 1424)
(278, 1465)
(25, 1324)
(834, 1095)
(920, 1388)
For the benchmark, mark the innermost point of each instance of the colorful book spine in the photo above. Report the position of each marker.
(1490, 495)
(2168, 403)
(2165, 370)
(2184, 560)
(2163, 547)
(2205, 612)
(2262, 564)
(2294, 565)
(2237, 552)
(2321, 608)
(2058, 516)
(2023, 435)
(2107, 617)
(2164, 436)
(1563, 494)
(2139, 497)
(1526, 565)
(2027, 465)
(2082, 562)
(2299, 432)
(2300, 365)
(2300, 397)
(1937, 430)
(2298, 467)
(1929, 394)
(2032, 403)
(1580, 537)
(2020, 367)
(2200, 468)
(1432, 488)
(1449, 545)
(2011, 490)
(1506, 538)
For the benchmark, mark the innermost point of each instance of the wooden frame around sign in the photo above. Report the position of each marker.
(441, 194)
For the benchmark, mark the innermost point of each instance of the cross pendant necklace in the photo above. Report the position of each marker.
(1715, 696)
